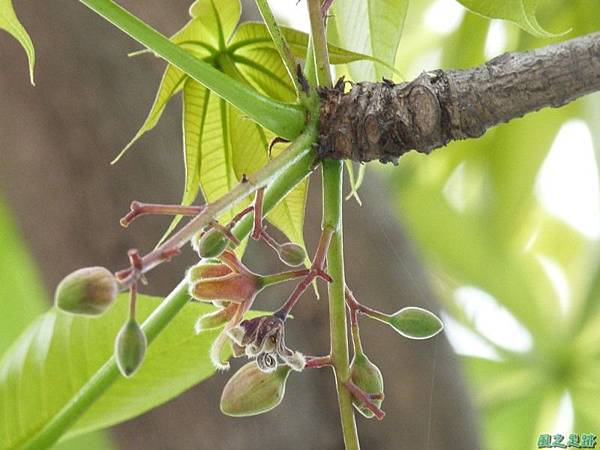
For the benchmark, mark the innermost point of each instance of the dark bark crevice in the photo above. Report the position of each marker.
(385, 120)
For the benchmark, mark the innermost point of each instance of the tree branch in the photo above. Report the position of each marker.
(385, 120)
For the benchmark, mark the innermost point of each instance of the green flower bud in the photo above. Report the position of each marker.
(213, 243)
(251, 391)
(416, 323)
(130, 348)
(88, 291)
(366, 376)
(291, 254)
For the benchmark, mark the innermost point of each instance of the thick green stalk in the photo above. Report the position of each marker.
(332, 218)
(285, 175)
(283, 119)
(319, 38)
(280, 44)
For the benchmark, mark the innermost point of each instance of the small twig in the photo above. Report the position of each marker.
(269, 240)
(317, 362)
(366, 399)
(317, 270)
(357, 307)
(138, 209)
(258, 214)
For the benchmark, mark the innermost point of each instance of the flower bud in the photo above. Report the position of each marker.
(88, 291)
(291, 254)
(130, 348)
(215, 319)
(213, 243)
(416, 323)
(207, 270)
(235, 287)
(251, 391)
(366, 376)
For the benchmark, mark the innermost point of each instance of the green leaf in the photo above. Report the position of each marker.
(521, 12)
(219, 17)
(416, 323)
(60, 352)
(10, 23)
(283, 118)
(21, 288)
(220, 143)
(252, 37)
(373, 27)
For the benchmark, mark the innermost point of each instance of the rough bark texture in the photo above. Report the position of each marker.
(385, 120)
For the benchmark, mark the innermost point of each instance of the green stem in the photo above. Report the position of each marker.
(299, 156)
(268, 280)
(285, 176)
(332, 217)
(280, 44)
(281, 118)
(319, 38)
(104, 378)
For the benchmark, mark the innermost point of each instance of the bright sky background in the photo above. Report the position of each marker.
(567, 186)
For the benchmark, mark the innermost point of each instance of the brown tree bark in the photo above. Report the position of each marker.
(385, 120)
(56, 142)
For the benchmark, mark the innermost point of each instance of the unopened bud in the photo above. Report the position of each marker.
(88, 291)
(416, 323)
(235, 287)
(207, 270)
(251, 391)
(215, 319)
(213, 243)
(366, 376)
(130, 348)
(291, 254)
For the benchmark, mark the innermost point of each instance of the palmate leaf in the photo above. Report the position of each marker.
(373, 27)
(10, 23)
(220, 144)
(70, 349)
(521, 12)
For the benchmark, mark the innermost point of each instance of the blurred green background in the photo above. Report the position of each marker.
(506, 226)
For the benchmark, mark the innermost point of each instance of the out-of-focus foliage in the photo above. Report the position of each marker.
(521, 12)
(10, 22)
(22, 300)
(59, 352)
(473, 211)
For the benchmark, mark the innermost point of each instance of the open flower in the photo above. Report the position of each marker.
(263, 338)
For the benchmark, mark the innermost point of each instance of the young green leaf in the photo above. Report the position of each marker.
(416, 323)
(60, 346)
(521, 12)
(373, 27)
(252, 38)
(171, 83)
(10, 23)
